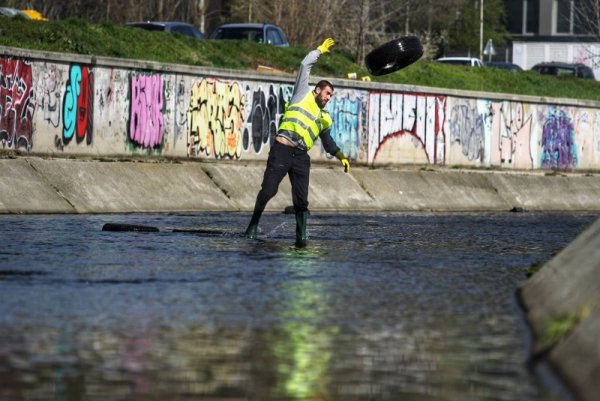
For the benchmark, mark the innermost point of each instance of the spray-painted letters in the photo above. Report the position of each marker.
(16, 105)
(78, 105)
(215, 118)
(146, 118)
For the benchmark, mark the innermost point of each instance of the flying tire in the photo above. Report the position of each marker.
(394, 55)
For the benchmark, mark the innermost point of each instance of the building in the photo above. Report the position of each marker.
(550, 30)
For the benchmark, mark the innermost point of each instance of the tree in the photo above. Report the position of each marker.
(587, 18)
(358, 26)
(374, 22)
(464, 34)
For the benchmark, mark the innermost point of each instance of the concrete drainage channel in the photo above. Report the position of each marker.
(36, 185)
(566, 288)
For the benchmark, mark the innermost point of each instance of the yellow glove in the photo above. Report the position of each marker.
(327, 44)
(346, 165)
(344, 161)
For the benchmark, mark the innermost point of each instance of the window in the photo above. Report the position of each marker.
(563, 16)
(514, 16)
(532, 15)
(273, 37)
(571, 16)
(522, 16)
(182, 30)
(583, 16)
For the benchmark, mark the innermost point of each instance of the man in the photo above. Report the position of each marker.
(304, 120)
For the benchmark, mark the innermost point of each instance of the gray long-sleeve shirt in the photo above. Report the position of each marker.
(301, 88)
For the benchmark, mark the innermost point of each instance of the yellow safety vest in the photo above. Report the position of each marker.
(306, 119)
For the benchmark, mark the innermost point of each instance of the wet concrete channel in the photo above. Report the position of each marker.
(383, 306)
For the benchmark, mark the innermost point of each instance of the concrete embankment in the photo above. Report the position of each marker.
(562, 303)
(50, 185)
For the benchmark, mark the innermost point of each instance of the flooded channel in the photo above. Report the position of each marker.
(378, 307)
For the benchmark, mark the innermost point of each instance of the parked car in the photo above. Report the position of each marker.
(175, 27)
(465, 61)
(261, 33)
(561, 69)
(505, 66)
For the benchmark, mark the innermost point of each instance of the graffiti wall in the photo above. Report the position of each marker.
(16, 103)
(56, 108)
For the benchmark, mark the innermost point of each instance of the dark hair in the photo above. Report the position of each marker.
(323, 84)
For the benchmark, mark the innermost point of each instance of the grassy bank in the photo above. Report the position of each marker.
(78, 36)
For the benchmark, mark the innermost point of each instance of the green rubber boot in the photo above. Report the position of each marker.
(253, 226)
(251, 230)
(301, 218)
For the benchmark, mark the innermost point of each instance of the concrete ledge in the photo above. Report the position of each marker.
(241, 184)
(38, 185)
(330, 189)
(24, 190)
(567, 288)
(423, 190)
(538, 192)
(105, 187)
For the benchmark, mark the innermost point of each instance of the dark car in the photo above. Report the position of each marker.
(175, 27)
(261, 33)
(560, 69)
(504, 66)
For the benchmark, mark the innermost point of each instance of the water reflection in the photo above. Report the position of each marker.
(69, 382)
(304, 352)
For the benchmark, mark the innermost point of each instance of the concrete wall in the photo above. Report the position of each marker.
(566, 289)
(85, 185)
(71, 105)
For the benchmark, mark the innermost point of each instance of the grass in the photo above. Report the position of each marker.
(79, 36)
(534, 268)
(558, 327)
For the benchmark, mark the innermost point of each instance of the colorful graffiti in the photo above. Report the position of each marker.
(215, 118)
(558, 142)
(264, 116)
(394, 115)
(78, 105)
(347, 112)
(116, 111)
(16, 103)
(146, 110)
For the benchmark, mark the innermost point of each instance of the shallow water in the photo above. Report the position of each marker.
(378, 307)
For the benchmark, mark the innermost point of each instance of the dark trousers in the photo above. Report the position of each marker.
(293, 162)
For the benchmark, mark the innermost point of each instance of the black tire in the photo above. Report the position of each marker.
(128, 227)
(394, 55)
(206, 232)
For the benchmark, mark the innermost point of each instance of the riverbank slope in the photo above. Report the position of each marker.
(53, 185)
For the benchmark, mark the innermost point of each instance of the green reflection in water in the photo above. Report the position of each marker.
(304, 353)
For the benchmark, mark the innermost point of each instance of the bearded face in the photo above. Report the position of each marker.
(322, 96)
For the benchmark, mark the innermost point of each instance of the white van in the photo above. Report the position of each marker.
(466, 61)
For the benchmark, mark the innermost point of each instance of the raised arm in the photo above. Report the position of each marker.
(301, 87)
